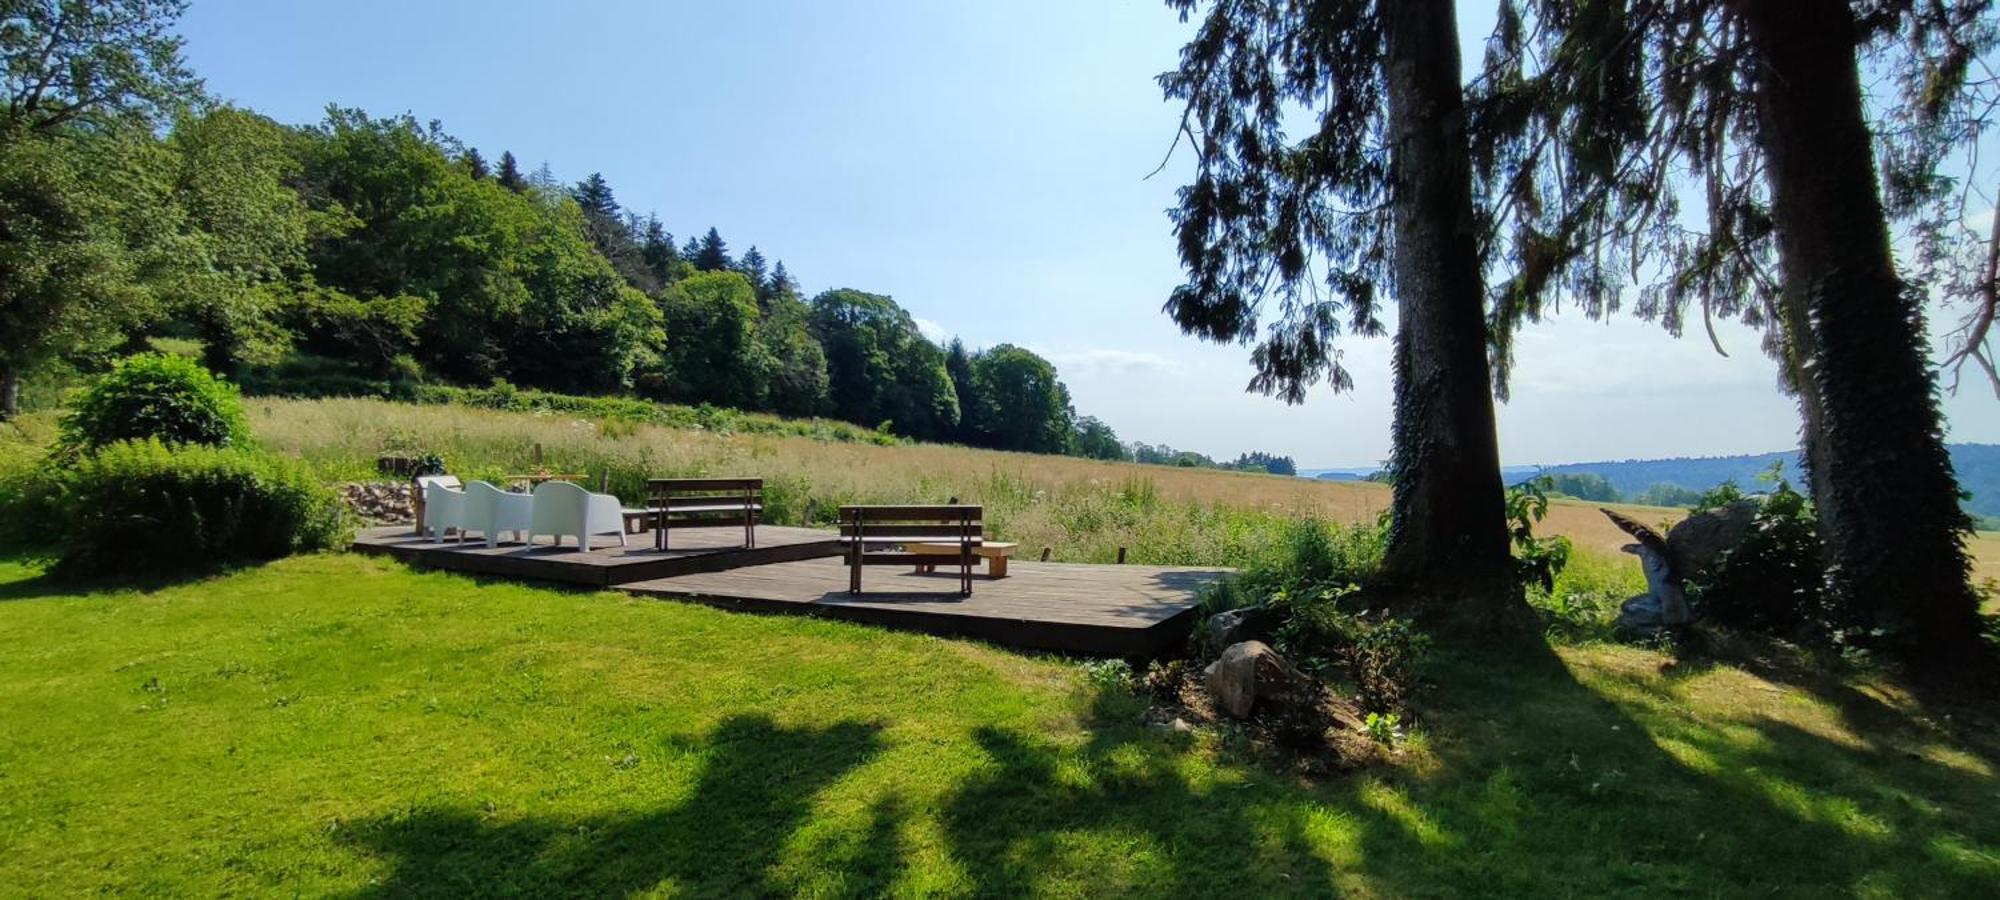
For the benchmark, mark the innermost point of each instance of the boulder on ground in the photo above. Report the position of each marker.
(1225, 629)
(1695, 544)
(1250, 672)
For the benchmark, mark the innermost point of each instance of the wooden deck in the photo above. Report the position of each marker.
(694, 550)
(1098, 610)
(1129, 611)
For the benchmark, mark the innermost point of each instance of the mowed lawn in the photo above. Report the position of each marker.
(341, 725)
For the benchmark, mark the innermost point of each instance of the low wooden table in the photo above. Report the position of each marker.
(996, 554)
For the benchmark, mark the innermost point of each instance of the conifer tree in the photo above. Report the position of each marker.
(1605, 121)
(753, 267)
(782, 283)
(712, 255)
(594, 195)
(509, 174)
(475, 165)
(971, 400)
(1378, 192)
(656, 249)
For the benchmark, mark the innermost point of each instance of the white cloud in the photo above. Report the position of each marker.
(1104, 361)
(937, 333)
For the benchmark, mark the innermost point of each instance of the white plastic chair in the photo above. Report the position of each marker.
(562, 508)
(490, 511)
(444, 505)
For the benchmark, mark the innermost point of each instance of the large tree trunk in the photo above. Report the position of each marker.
(1448, 533)
(10, 391)
(1882, 481)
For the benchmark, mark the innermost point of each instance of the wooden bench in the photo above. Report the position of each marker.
(958, 528)
(996, 554)
(700, 502)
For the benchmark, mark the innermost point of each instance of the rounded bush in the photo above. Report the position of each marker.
(143, 507)
(152, 395)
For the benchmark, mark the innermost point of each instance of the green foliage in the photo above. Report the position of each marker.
(168, 398)
(512, 285)
(1313, 559)
(1664, 494)
(1312, 579)
(1384, 728)
(1018, 403)
(797, 381)
(232, 175)
(1717, 497)
(880, 368)
(1585, 599)
(1270, 463)
(712, 354)
(1773, 581)
(89, 242)
(1384, 656)
(1109, 674)
(505, 396)
(1581, 485)
(712, 254)
(1096, 440)
(147, 508)
(1537, 560)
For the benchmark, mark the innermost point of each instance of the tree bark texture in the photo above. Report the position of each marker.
(1448, 533)
(1882, 481)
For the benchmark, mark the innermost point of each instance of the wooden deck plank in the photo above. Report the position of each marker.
(694, 550)
(1101, 610)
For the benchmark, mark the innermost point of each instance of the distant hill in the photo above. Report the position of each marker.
(1978, 468)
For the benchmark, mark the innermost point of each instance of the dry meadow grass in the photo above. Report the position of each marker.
(1082, 509)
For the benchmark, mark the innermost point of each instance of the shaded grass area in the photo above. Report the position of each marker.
(337, 724)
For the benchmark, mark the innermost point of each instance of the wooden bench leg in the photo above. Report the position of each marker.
(996, 566)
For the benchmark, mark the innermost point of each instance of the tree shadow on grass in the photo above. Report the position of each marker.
(1548, 783)
(1544, 785)
(53, 580)
(757, 787)
(1921, 711)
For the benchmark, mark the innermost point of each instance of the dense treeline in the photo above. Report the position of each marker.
(382, 250)
(1254, 461)
(386, 246)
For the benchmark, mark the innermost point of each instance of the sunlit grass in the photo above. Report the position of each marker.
(342, 725)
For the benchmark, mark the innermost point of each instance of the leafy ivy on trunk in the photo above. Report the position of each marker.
(1375, 196)
(1887, 498)
(1721, 152)
(1449, 527)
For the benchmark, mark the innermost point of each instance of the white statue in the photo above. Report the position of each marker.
(1664, 605)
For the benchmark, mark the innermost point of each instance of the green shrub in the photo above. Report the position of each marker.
(1312, 580)
(152, 395)
(1772, 582)
(1537, 560)
(143, 507)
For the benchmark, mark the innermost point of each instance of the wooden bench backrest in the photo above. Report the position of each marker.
(907, 524)
(721, 488)
(734, 493)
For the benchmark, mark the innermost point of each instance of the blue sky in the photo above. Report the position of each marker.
(983, 163)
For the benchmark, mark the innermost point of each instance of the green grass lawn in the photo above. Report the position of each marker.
(341, 725)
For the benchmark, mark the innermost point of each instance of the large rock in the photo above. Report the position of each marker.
(1249, 673)
(1225, 629)
(1695, 544)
